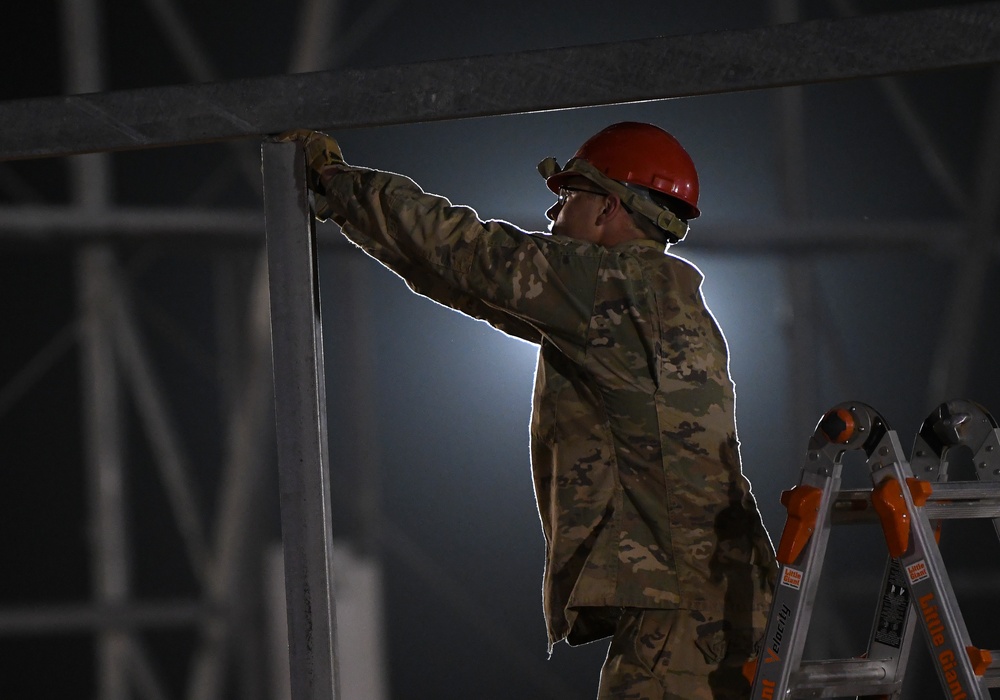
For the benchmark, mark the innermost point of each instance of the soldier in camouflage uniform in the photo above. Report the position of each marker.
(652, 534)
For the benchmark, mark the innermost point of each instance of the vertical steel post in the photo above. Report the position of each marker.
(300, 408)
(92, 183)
(101, 392)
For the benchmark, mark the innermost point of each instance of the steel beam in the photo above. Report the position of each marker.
(91, 182)
(300, 410)
(110, 567)
(649, 69)
(243, 227)
(800, 287)
(65, 224)
(110, 616)
(318, 26)
(183, 39)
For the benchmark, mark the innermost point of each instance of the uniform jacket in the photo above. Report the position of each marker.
(633, 439)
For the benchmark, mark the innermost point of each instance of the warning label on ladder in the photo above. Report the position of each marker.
(892, 613)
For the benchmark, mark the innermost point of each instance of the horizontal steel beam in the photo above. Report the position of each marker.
(632, 71)
(810, 236)
(66, 224)
(49, 224)
(79, 618)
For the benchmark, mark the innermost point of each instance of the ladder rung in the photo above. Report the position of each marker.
(948, 501)
(943, 491)
(970, 490)
(992, 675)
(955, 510)
(842, 677)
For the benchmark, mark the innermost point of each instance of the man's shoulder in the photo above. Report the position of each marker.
(551, 242)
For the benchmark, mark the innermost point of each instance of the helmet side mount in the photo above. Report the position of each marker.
(634, 197)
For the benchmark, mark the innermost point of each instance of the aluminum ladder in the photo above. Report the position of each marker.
(915, 586)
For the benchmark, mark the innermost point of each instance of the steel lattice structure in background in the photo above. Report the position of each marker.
(96, 122)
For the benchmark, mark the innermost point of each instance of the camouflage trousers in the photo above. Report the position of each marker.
(680, 655)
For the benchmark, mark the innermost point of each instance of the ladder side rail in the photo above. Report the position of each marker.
(987, 465)
(933, 597)
(798, 580)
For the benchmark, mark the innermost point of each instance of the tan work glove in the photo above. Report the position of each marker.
(322, 152)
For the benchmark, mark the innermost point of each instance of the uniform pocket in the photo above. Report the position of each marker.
(712, 644)
(654, 628)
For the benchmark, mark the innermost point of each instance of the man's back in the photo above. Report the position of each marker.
(634, 444)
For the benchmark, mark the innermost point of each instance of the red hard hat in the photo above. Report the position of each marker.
(644, 155)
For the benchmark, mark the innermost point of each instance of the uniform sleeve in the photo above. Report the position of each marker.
(528, 285)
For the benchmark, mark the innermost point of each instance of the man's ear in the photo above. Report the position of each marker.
(612, 208)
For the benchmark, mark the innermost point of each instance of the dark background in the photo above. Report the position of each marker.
(448, 399)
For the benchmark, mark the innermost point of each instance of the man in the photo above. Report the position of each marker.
(652, 534)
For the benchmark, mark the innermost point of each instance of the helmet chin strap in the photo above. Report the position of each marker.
(674, 228)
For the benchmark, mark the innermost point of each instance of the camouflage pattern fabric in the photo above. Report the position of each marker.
(634, 451)
(680, 655)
